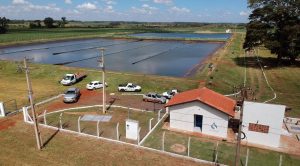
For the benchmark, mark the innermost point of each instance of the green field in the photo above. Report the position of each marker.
(207, 149)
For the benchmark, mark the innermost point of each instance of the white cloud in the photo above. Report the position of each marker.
(163, 1)
(244, 13)
(87, 6)
(19, 2)
(68, 1)
(110, 2)
(109, 9)
(145, 9)
(175, 9)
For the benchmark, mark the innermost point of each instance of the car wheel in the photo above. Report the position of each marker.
(122, 90)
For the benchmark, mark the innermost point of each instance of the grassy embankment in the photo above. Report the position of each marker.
(230, 71)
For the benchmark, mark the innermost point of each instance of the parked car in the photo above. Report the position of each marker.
(70, 79)
(72, 95)
(170, 94)
(95, 85)
(129, 87)
(154, 97)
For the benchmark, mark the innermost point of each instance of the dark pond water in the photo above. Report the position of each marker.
(185, 35)
(170, 58)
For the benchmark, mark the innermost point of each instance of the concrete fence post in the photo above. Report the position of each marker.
(79, 130)
(139, 136)
(45, 120)
(117, 128)
(150, 124)
(280, 160)
(24, 114)
(163, 142)
(189, 143)
(247, 157)
(158, 118)
(2, 112)
(216, 157)
(60, 120)
(98, 128)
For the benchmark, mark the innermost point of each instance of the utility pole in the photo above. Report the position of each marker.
(101, 63)
(30, 93)
(238, 143)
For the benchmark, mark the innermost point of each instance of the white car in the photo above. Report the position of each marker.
(94, 85)
(170, 94)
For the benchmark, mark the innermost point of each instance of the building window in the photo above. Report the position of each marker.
(258, 128)
(198, 121)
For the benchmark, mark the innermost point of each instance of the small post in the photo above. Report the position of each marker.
(280, 160)
(79, 130)
(189, 142)
(25, 114)
(158, 118)
(247, 157)
(98, 132)
(163, 141)
(216, 158)
(60, 121)
(139, 136)
(150, 124)
(2, 112)
(117, 128)
(45, 120)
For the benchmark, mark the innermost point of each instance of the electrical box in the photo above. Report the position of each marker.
(132, 129)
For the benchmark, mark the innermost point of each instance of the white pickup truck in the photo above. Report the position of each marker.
(70, 79)
(129, 87)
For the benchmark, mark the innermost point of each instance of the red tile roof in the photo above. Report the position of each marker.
(207, 96)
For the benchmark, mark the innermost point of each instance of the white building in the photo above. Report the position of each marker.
(262, 123)
(201, 110)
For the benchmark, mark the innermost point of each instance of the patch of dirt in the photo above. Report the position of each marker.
(5, 124)
(95, 98)
(178, 148)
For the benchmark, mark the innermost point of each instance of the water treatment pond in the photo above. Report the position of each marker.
(168, 58)
(221, 36)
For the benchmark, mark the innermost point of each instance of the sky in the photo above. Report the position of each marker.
(234, 11)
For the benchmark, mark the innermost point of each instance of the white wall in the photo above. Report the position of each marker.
(264, 114)
(182, 117)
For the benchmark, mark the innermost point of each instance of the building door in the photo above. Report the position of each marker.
(198, 120)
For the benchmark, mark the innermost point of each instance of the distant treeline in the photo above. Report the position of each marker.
(122, 24)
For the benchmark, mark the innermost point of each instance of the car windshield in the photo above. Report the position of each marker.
(67, 77)
(159, 96)
(70, 92)
(90, 83)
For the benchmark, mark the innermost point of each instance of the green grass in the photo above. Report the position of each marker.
(45, 81)
(204, 148)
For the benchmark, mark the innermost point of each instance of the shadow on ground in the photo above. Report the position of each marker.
(267, 62)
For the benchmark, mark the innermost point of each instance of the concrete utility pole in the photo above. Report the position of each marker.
(238, 144)
(30, 93)
(101, 63)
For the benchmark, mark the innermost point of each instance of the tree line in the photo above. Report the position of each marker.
(48, 22)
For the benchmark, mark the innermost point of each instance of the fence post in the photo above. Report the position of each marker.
(280, 160)
(79, 130)
(158, 118)
(216, 158)
(163, 141)
(189, 142)
(25, 114)
(117, 128)
(150, 124)
(247, 157)
(2, 112)
(98, 132)
(45, 120)
(60, 121)
(139, 136)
